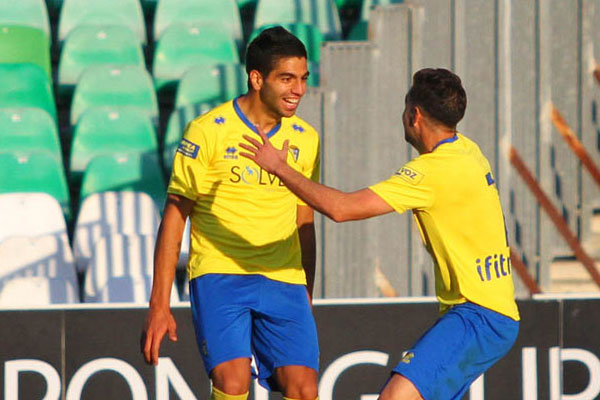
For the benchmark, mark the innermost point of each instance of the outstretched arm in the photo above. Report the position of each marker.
(337, 205)
(159, 320)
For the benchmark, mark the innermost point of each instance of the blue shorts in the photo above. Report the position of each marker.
(250, 315)
(459, 347)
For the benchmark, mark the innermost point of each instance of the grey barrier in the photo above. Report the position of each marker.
(517, 59)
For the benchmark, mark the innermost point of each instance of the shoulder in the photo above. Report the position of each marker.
(212, 121)
(301, 127)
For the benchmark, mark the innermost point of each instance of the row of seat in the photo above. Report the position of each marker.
(112, 248)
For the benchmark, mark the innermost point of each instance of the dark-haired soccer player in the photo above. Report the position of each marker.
(450, 189)
(252, 259)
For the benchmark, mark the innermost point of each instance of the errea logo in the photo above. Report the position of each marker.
(411, 175)
(230, 153)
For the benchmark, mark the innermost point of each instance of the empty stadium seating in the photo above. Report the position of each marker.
(33, 13)
(211, 83)
(37, 270)
(76, 92)
(323, 14)
(125, 172)
(87, 46)
(34, 171)
(30, 214)
(105, 130)
(120, 270)
(29, 129)
(183, 46)
(26, 85)
(178, 12)
(102, 214)
(106, 12)
(126, 86)
(25, 44)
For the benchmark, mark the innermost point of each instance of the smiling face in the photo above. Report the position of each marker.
(281, 90)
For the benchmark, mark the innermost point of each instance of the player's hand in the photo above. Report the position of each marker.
(264, 154)
(158, 322)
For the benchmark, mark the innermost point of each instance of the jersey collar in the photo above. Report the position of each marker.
(447, 140)
(249, 124)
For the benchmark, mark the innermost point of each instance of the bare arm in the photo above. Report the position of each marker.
(159, 319)
(337, 205)
(306, 232)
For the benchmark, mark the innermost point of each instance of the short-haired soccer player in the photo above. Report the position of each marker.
(450, 189)
(252, 258)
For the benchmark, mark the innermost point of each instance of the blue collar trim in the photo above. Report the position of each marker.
(249, 124)
(447, 140)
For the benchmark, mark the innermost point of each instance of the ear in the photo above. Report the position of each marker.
(416, 115)
(256, 79)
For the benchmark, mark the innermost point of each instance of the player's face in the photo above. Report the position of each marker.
(285, 85)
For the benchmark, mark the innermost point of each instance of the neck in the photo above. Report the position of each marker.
(432, 137)
(256, 112)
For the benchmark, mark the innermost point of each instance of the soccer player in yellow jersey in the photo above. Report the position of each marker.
(252, 258)
(450, 189)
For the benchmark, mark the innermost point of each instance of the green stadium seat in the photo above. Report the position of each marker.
(26, 85)
(177, 122)
(32, 13)
(105, 12)
(368, 4)
(183, 46)
(25, 44)
(246, 3)
(103, 130)
(34, 171)
(307, 33)
(321, 13)
(25, 129)
(125, 172)
(149, 7)
(204, 83)
(95, 45)
(177, 12)
(348, 4)
(126, 86)
(360, 31)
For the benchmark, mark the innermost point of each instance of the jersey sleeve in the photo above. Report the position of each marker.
(191, 161)
(313, 169)
(408, 189)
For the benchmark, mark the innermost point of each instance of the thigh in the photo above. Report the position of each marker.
(285, 332)
(458, 348)
(221, 310)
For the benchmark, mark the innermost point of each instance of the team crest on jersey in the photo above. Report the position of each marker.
(411, 175)
(188, 148)
(295, 151)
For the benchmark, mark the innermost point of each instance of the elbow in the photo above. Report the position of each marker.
(338, 216)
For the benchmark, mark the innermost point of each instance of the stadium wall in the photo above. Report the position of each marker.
(88, 352)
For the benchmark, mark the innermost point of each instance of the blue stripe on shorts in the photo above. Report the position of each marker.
(239, 316)
(459, 347)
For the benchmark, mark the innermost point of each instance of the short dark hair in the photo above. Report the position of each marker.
(270, 46)
(440, 94)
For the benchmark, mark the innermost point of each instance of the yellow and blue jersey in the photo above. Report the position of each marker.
(244, 219)
(454, 199)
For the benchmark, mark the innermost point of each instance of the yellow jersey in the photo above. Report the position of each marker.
(244, 219)
(454, 199)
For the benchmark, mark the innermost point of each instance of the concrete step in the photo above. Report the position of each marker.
(568, 276)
